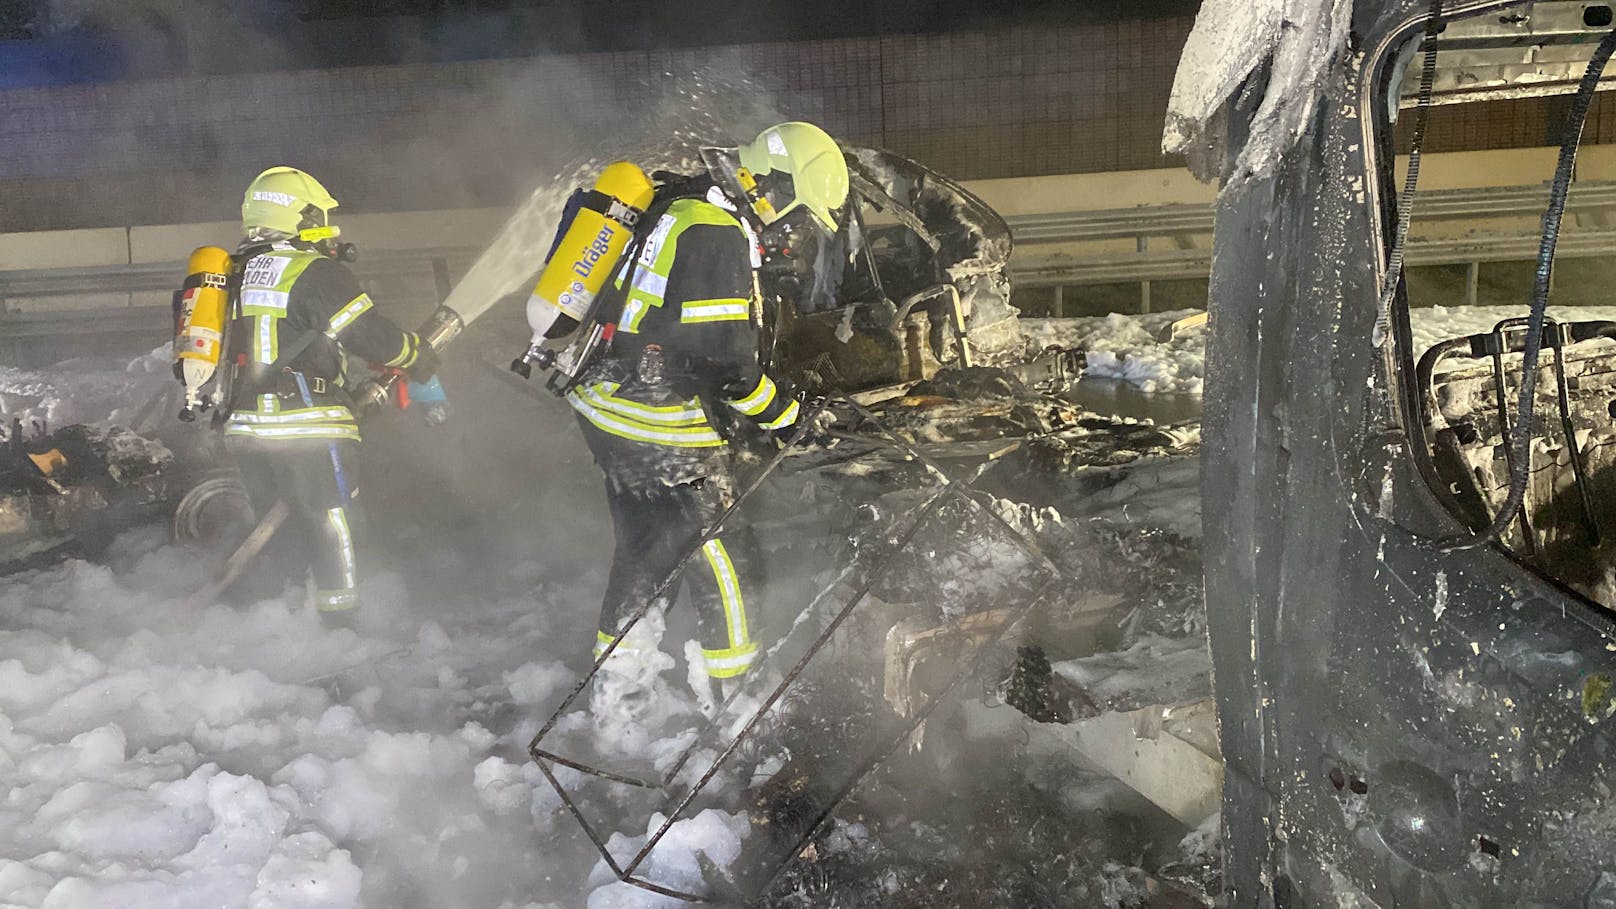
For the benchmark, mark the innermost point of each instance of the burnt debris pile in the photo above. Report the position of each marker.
(941, 599)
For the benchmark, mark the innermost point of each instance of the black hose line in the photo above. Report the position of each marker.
(1405, 200)
(1520, 440)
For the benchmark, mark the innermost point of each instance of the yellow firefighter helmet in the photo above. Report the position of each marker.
(285, 200)
(798, 165)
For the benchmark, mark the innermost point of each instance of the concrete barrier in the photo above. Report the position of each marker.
(174, 242)
(65, 248)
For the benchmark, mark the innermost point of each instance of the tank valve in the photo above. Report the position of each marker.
(535, 355)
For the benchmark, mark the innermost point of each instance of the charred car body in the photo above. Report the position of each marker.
(1409, 715)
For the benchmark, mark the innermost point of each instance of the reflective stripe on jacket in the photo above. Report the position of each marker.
(690, 295)
(286, 293)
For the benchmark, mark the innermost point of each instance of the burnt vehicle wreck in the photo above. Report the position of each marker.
(998, 564)
(1413, 661)
(970, 530)
(68, 492)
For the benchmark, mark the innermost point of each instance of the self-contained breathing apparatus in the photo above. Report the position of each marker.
(208, 305)
(596, 252)
(205, 308)
(570, 299)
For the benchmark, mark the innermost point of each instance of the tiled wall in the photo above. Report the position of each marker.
(1521, 123)
(1017, 102)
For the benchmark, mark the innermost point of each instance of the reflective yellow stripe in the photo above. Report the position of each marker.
(785, 419)
(604, 639)
(730, 662)
(759, 400)
(335, 600)
(685, 414)
(339, 523)
(294, 432)
(345, 316)
(627, 428)
(301, 415)
(633, 311)
(729, 591)
(406, 354)
(259, 302)
(651, 284)
(733, 309)
(699, 211)
(266, 339)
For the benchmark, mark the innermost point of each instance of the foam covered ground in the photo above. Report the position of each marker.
(1130, 348)
(1126, 347)
(154, 754)
(160, 755)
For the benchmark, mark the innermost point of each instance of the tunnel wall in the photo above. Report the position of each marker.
(1017, 102)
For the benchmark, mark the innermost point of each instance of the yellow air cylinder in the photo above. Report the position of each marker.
(204, 305)
(588, 252)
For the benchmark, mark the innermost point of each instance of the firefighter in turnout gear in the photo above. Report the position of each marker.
(680, 385)
(292, 430)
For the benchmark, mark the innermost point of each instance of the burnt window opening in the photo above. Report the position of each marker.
(1492, 134)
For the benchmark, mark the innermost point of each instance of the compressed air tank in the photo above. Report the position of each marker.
(204, 305)
(588, 248)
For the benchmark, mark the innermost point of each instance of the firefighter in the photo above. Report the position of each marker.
(292, 430)
(680, 387)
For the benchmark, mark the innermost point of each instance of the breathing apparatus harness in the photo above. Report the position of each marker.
(596, 330)
(314, 239)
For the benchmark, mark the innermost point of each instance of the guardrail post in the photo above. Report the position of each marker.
(1142, 243)
(1472, 282)
(440, 277)
(1060, 301)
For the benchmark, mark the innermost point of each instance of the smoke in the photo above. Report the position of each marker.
(712, 106)
(169, 36)
(488, 539)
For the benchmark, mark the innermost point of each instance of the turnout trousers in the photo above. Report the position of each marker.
(311, 475)
(662, 501)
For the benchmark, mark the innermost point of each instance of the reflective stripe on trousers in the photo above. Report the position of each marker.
(657, 524)
(300, 473)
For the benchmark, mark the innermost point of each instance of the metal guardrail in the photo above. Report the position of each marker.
(1110, 224)
(32, 329)
(1182, 264)
(28, 286)
(52, 323)
(1144, 264)
(1175, 220)
(21, 291)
